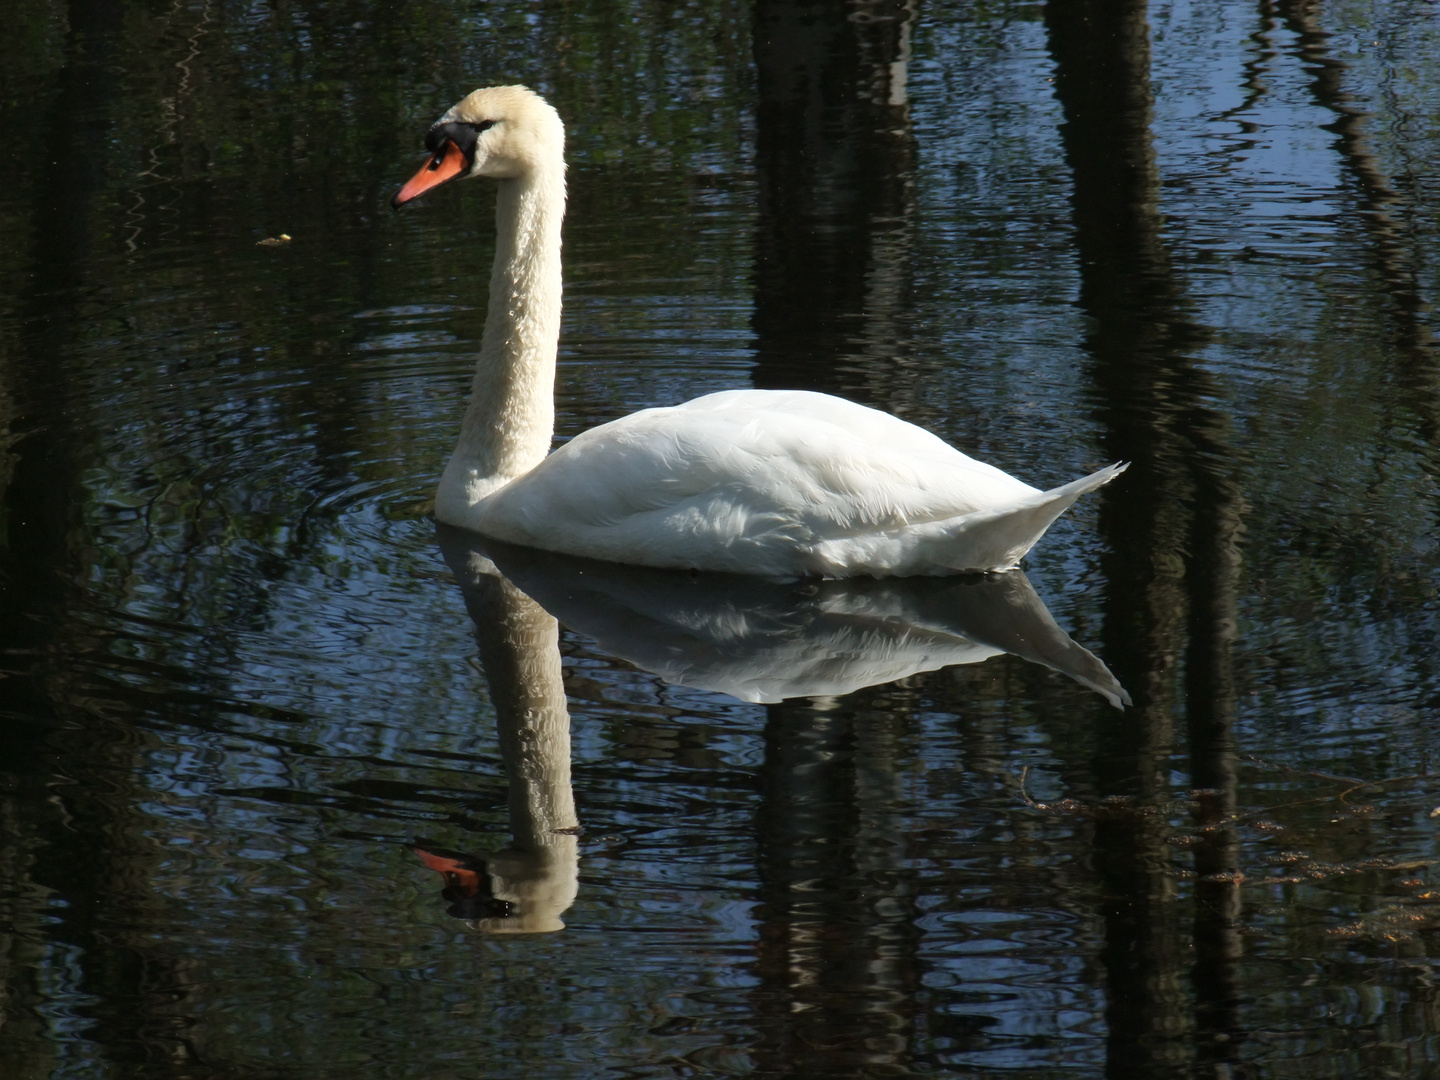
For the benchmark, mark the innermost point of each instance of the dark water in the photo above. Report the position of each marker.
(240, 677)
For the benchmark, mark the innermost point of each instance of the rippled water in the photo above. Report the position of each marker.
(242, 674)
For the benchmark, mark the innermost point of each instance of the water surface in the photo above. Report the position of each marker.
(242, 681)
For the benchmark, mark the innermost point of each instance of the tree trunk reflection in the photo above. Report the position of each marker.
(1172, 531)
(834, 163)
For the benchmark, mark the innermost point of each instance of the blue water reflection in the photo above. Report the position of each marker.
(240, 680)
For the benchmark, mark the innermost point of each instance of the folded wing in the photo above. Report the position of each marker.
(778, 483)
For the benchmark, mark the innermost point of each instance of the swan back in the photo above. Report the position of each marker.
(774, 483)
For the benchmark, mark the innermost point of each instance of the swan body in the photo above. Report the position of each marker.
(764, 482)
(776, 483)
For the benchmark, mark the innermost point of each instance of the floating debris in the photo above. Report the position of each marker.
(275, 241)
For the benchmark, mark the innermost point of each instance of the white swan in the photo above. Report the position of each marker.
(774, 483)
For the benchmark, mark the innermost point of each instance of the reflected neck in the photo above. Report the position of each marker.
(510, 420)
(520, 651)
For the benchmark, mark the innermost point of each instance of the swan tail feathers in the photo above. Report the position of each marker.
(998, 539)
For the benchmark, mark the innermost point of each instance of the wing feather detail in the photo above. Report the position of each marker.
(785, 484)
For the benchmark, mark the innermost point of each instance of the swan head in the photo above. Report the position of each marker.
(502, 132)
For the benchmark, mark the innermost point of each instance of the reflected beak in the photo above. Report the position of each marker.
(460, 871)
(446, 165)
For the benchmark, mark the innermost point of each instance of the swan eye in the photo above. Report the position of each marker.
(463, 135)
(451, 146)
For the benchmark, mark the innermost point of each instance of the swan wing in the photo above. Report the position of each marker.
(779, 483)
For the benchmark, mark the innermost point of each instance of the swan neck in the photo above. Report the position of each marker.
(510, 420)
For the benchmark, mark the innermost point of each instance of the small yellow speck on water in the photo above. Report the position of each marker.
(275, 241)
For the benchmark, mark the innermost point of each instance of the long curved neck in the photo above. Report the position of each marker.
(511, 417)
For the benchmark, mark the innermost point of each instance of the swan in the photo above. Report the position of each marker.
(774, 483)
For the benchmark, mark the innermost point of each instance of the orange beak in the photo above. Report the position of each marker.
(456, 872)
(446, 166)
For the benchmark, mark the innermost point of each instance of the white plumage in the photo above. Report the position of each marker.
(776, 483)
(772, 483)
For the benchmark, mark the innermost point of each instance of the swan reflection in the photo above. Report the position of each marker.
(753, 639)
(765, 641)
